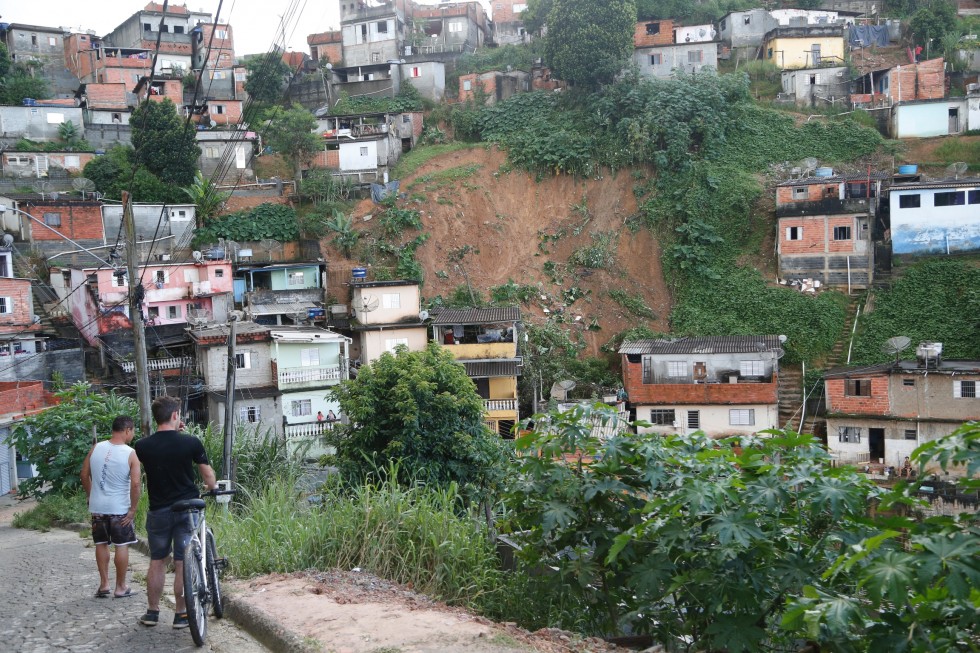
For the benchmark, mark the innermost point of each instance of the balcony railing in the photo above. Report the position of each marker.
(499, 404)
(309, 429)
(659, 379)
(295, 375)
(157, 364)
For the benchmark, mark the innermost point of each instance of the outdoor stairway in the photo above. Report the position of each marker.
(790, 396)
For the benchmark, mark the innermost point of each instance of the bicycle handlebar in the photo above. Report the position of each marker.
(218, 493)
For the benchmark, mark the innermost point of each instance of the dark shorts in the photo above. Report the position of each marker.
(106, 529)
(168, 531)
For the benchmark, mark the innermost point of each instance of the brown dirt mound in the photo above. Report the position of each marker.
(515, 225)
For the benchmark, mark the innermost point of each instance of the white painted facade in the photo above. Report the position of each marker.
(710, 418)
(360, 155)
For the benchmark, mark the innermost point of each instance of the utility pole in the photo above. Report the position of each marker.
(136, 316)
(229, 398)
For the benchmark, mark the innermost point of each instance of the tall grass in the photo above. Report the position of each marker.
(53, 509)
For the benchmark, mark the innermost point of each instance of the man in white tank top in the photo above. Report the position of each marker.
(111, 478)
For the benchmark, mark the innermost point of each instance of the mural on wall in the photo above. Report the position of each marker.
(935, 237)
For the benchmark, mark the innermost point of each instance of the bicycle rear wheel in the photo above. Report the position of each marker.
(217, 603)
(195, 593)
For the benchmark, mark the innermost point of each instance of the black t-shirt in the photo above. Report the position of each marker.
(169, 459)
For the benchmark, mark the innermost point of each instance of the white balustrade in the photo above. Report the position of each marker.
(157, 364)
(500, 404)
(295, 375)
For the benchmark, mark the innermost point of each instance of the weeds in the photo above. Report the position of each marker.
(53, 509)
(634, 305)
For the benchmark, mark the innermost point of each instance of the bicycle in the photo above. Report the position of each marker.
(201, 568)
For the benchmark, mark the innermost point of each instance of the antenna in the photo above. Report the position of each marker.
(560, 389)
(83, 185)
(895, 346)
(955, 170)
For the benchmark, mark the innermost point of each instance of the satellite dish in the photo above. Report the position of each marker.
(270, 245)
(955, 170)
(423, 315)
(702, 32)
(197, 256)
(895, 346)
(560, 389)
(83, 185)
(366, 304)
(809, 164)
(8, 240)
(41, 187)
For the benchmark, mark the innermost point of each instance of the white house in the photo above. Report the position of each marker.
(935, 217)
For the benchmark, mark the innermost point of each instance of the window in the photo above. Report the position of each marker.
(219, 273)
(160, 277)
(676, 368)
(120, 280)
(72, 161)
(52, 219)
(239, 76)
(218, 108)
(52, 41)
(391, 300)
(913, 201)
(653, 28)
(147, 27)
(794, 233)
(741, 417)
(221, 34)
(694, 419)
(153, 312)
(842, 233)
(801, 193)
(249, 414)
(296, 278)
(302, 407)
(364, 151)
(467, 85)
(455, 26)
(383, 27)
(392, 343)
(973, 197)
(309, 357)
(656, 59)
(746, 20)
(965, 389)
(695, 56)
(662, 416)
(911, 434)
(165, 28)
(173, 312)
(857, 388)
(849, 434)
(751, 368)
(6, 305)
(178, 29)
(243, 360)
(950, 198)
(219, 74)
(117, 117)
(908, 382)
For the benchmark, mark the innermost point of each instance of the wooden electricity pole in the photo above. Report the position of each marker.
(229, 398)
(136, 317)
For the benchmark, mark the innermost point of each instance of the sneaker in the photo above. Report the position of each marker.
(151, 618)
(180, 620)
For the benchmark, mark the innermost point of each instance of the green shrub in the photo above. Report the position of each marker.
(513, 293)
(54, 509)
(601, 254)
(266, 221)
(634, 305)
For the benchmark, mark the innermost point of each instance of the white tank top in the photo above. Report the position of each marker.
(110, 479)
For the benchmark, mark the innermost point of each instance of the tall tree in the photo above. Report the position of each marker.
(163, 144)
(290, 133)
(267, 76)
(16, 81)
(589, 42)
(421, 410)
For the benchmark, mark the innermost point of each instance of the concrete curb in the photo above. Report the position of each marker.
(250, 619)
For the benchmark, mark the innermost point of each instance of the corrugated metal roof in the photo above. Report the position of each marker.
(486, 369)
(906, 367)
(938, 183)
(835, 179)
(702, 345)
(447, 316)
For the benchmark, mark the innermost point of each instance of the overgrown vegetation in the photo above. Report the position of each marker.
(633, 304)
(265, 221)
(933, 301)
(407, 99)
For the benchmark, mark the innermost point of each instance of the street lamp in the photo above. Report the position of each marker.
(3, 211)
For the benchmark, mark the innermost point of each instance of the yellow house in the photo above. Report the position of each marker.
(804, 47)
(484, 340)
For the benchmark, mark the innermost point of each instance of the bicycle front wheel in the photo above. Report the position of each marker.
(217, 604)
(195, 593)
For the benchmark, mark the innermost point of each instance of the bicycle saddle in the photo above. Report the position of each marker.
(188, 504)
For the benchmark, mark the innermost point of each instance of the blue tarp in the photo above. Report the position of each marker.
(863, 36)
(379, 191)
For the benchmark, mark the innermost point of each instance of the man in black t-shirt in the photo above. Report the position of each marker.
(169, 457)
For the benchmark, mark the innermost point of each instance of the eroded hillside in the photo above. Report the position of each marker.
(569, 238)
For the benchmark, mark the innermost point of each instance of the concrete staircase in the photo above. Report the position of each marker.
(790, 396)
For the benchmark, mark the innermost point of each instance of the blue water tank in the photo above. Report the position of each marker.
(30, 102)
(824, 172)
(910, 169)
(358, 273)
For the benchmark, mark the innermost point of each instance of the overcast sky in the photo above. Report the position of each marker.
(254, 21)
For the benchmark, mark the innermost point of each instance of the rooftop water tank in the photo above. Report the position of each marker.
(910, 169)
(823, 172)
(358, 273)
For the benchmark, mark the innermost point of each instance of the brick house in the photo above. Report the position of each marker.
(925, 80)
(385, 314)
(825, 228)
(326, 47)
(507, 22)
(661, 47)
(80, 220)
(721, 385)
(19, 399)
(881, 413)
(17, 325)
